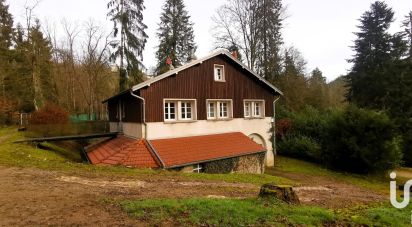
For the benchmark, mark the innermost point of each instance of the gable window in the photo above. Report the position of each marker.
(179, 110)
(254, 108)
(219, 109)
(219, 73)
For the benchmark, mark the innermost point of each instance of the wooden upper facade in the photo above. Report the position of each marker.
(198, 85)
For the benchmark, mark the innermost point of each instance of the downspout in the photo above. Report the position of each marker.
(156, 154)
(274, 125)
(144, 112)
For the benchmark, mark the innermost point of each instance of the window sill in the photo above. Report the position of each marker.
(220, 119)
(179, 121)
(253, 118)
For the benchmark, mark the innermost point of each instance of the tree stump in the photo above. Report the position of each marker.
(281, 192)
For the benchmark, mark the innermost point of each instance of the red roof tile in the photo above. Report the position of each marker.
(123, 151)
(197, 149)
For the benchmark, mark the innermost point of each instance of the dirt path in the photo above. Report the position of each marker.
(331, 193)
(31, 197)
(36, 198)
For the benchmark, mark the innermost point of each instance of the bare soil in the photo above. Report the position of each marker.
(331, 193)
(32, 197)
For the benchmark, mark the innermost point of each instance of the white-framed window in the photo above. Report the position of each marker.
(247, 109)
(219, 73)
(211, 110)
(186, 111)
(219, 109)
(223, 110)
(254, 108)
(198, 168)
(170, 110)
(257, 109)
(179, 110)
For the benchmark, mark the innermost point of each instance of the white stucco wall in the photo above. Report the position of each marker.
(261, 127)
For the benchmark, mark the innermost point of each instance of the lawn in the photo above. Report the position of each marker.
(207, 211)
(56, 158)
(258, 212)
(289, 165)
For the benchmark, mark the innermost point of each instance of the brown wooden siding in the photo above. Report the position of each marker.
(198, 83)
(132, 107)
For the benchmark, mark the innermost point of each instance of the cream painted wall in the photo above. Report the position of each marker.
(134, 130)
(262, 127)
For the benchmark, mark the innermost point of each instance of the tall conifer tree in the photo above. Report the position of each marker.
(270, 38)
(369, 78)
(176, 36)
(127, 16)
(6, 38)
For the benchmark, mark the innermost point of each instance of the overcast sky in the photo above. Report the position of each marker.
(321, 29)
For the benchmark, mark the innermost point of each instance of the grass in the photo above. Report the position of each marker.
(377, 183)
(258, 212)
(225, 212)
(56, 158)
(215, 212)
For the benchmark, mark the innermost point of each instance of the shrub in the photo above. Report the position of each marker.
(361, 141)
(50, 114)
(301, 147)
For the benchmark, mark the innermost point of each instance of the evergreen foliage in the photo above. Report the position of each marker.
(270, 38)
(353, 139)
(375, 51)
(6, 39)
(176, 36)
(361, 141)
(128, 14)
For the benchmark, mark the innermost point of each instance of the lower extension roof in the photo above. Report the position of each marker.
(173, 152)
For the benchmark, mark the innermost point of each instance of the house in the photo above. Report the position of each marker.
(211, 113)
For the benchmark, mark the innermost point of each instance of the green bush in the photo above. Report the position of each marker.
(361, 141)
(301, 147)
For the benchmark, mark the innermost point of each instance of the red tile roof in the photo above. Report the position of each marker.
(172, 152)
(123, 151)
(197, 149)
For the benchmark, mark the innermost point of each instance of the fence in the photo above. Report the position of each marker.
(80, 128)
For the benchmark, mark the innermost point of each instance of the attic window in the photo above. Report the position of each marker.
(219, 73)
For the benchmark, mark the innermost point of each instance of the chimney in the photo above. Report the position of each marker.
(234, 54)
(169, 63)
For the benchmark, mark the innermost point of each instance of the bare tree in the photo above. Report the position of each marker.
(254, 28)
(95, 65)
(236, 24)
(71, 32)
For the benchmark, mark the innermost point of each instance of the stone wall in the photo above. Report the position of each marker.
(254, 164)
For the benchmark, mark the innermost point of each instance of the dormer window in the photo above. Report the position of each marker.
(219, 73)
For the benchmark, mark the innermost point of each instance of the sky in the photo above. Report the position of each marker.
(322, 30)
